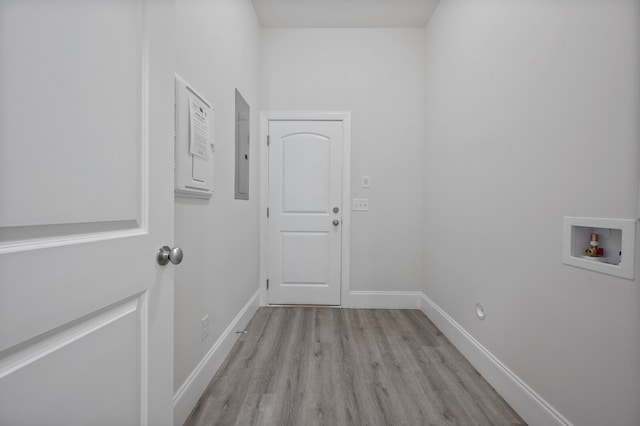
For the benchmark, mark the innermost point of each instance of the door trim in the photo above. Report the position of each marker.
(345, 118)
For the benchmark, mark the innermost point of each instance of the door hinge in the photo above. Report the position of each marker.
(267, 211)
(268, 140)
(267, 284)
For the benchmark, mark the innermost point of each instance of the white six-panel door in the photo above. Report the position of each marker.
(86, 200)
(305, 212)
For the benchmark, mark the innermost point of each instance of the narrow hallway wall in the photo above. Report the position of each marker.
(532, 114)
(217, 52)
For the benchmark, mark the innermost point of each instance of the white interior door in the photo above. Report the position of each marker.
(86, 200)
(305, 212)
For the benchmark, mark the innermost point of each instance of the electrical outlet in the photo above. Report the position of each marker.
(360, 204)
(204, 327)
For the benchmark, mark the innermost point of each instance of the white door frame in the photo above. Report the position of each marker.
(345, 118)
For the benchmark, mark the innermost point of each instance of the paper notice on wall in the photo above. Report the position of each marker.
(198, 129)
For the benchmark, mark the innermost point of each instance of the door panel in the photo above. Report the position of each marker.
(58, 77)
(46, 373)
(305, 185)
(305, 257)
(305, 173)
(86, 200)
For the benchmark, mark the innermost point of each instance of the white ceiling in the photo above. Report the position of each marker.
(344, 13)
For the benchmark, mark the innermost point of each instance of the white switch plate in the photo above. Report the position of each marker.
(365, 182)
(360, 204)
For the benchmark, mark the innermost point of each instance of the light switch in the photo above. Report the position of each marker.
(360, 204)
(365, 182)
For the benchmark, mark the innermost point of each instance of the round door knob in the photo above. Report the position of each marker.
(336, 222)
(167, 254)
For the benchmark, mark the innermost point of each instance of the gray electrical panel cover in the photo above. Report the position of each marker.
(242, 148)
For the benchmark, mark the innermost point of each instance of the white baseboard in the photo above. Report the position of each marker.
(192, 389)
(384, 300)
(528, 404)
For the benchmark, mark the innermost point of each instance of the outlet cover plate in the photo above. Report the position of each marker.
(360, 204)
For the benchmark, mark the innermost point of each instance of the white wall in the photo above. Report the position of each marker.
(217, 51)
(377, 74)
(532, 112)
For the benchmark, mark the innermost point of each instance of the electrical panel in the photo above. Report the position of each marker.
(242, 148)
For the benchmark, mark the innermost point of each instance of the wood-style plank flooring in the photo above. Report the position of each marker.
(323, 366)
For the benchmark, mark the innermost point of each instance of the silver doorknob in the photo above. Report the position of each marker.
(336, 222)
(167, 254)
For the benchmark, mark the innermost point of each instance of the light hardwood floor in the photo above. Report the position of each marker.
(323, 366)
